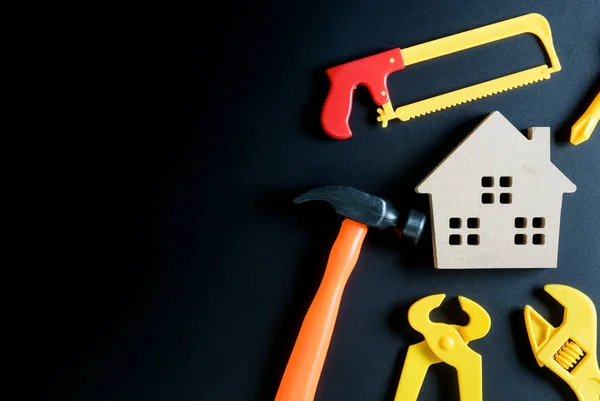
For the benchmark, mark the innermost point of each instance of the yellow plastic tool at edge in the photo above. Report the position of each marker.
(570, 350)
(584, 127)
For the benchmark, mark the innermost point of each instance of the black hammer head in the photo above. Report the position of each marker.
(370, 210)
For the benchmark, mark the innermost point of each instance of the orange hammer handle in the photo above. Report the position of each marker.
(301, 377)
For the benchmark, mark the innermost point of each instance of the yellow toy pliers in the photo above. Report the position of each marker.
(444, 343)
(569, 350)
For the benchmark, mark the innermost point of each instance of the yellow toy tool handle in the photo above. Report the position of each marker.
(470, 377)
(530, 23)
(418, 360)
(584, 127)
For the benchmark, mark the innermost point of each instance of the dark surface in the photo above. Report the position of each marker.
(219, 266)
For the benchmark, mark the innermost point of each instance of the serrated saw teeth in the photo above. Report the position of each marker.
(471, 93)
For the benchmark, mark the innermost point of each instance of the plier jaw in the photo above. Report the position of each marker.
(570, 350)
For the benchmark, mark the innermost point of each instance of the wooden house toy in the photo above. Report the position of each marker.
(496, 200)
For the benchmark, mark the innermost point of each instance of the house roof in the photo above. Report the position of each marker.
(496, 142)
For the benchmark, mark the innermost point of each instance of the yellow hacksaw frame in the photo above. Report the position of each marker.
(533, 23)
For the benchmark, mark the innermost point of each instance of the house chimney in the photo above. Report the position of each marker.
(540, 136)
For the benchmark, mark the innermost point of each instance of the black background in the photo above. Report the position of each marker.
(215, 267)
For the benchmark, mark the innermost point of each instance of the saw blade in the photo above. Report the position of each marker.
(474, 92)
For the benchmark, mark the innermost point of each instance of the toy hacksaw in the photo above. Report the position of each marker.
(372, 71)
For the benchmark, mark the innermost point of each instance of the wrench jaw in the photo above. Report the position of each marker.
(580, 321)
(538, 330)
(572, 300)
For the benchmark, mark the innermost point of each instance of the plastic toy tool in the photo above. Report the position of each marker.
(361, 210)
(584, 127)
(569, 350)
(444, 343)
(373, 71)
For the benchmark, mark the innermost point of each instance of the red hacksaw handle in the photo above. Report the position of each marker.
(370, 71)
(301, 377)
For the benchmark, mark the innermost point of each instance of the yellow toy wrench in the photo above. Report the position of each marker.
(570, 349)
(584, 127)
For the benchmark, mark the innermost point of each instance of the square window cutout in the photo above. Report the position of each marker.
(506, 182)
(520, 239)
(520, 222)
(487, 198)
(487, 182)
(539, 222)
(455, 222)
(473, 222)
(455, 239)
(539, 239)
(505, 198)
(473, 239)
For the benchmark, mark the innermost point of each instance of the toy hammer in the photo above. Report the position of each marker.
(361, 210)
